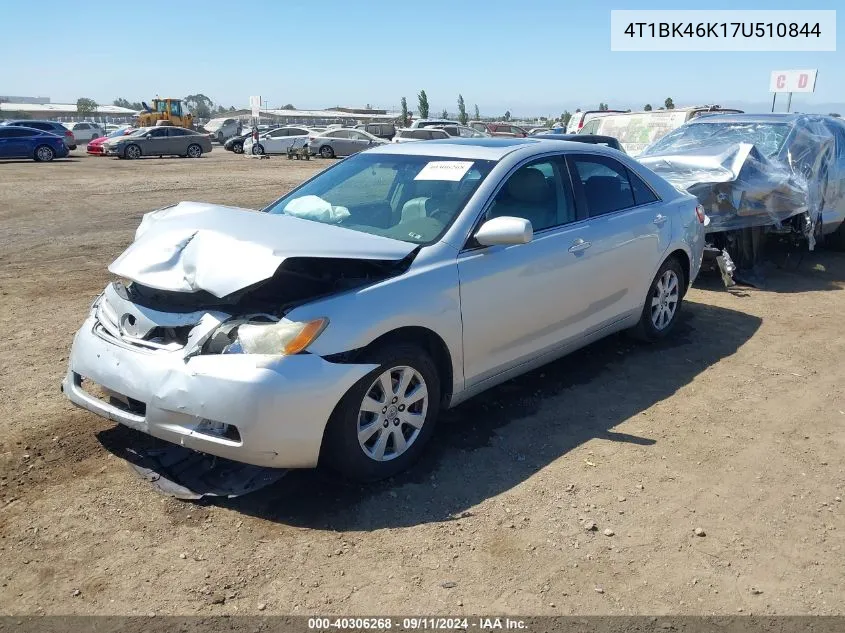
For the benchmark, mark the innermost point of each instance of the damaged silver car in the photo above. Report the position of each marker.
(333, 326)
(754, 173)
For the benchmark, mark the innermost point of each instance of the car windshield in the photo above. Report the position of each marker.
(116, 133)
(768, 137)
(405, 197)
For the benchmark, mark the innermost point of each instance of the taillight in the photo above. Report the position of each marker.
(699, 212)
(68, 133)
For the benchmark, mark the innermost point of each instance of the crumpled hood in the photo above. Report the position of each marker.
(702, 163)
(194, 246)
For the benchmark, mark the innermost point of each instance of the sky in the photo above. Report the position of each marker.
(533, 57)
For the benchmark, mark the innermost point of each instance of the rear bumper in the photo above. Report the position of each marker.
(279, 405)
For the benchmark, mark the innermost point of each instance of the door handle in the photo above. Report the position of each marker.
(660, 219)
(579, 245)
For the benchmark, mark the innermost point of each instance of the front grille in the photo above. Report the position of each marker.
(159, 339)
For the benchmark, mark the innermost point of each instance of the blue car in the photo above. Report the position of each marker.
(25, 142)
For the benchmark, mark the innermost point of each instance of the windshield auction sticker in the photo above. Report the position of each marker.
(444, 170)
(719, 30)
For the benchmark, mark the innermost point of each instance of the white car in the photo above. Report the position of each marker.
(84, 131)
(409, 135)
(418, 123)
(277, 141)
(223, 129)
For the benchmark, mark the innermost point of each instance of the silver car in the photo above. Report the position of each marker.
(164, 140)
(342, 142)
(334, 326)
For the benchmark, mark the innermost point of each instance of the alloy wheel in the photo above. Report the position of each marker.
(392, 413)
(664, 299)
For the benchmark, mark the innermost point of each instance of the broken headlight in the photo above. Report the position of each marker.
(282, 337)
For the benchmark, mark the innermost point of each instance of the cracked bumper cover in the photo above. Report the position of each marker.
(279, 404)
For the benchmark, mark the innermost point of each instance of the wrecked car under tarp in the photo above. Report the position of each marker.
(756, 174)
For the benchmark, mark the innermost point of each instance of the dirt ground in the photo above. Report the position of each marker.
(734, 426)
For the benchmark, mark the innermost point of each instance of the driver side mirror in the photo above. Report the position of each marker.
(505, 231)
(148, 135)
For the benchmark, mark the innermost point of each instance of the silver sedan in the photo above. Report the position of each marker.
(334, 326)
(342, 142)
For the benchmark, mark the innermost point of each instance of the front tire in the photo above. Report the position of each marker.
(194, 151)
(257, 149)
(44, 154)
(663, 302)
(326, 152)
(132, 152)
(382, 424)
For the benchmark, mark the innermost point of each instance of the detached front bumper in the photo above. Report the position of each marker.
(278, 405)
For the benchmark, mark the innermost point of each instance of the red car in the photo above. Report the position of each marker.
(95, 146)
(499, 129)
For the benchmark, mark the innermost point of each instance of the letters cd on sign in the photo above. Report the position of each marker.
(793, 81)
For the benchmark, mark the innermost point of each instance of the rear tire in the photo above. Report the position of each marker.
(194, 151)
(238, 148)
(368, 421)
(326, 152)
(44, 154)
(663, 303)
(220, 138)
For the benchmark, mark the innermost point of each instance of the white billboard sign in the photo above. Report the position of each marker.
(793, 81)
(255, 105)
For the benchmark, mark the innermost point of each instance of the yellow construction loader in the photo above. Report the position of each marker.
(165, 112)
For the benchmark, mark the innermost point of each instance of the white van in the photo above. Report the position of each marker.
(637, 130)
(578, 120)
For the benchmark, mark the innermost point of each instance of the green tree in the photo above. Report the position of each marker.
(476, 113)
(288, 106)
(84, 105)
(462, 110)
(602, 107)
(406, 119)
(422, 104)
(647, 107)
(670, 105)
(564, 118)
(444, 114)
(199, 105)
(507, 116)
(125, 103)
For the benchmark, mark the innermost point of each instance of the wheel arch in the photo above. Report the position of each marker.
(684, 260)
(431, 342)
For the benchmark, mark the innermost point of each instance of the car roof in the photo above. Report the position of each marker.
(32, 129)
(19, 121)
(579, 138)
(767, 117)
(493, 148)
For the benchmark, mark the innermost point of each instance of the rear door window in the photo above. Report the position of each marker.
(603, 182)
(11, 132)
